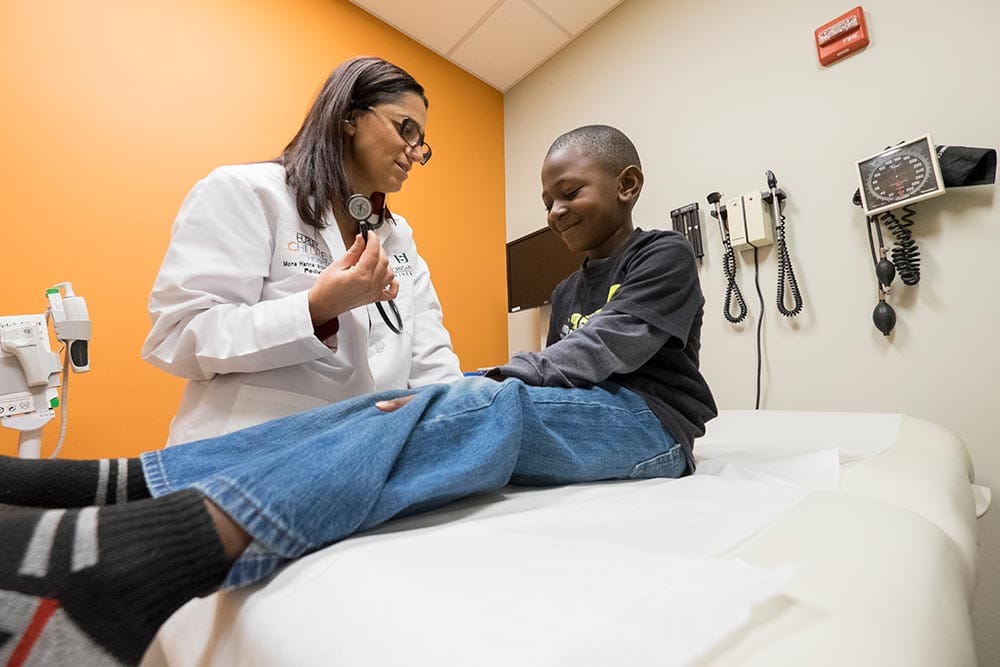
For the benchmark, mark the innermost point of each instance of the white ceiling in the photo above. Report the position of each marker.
(500, 42)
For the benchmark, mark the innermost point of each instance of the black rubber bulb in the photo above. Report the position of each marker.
(886, 271)
(884, 317)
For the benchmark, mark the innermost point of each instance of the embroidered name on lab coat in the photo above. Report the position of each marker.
(305, 254)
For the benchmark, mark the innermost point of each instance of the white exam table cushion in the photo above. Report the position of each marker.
(884, 568)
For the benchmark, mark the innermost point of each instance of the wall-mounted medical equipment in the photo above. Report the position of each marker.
(754, 220)
(897, 177)
(749, 221)
(842, 36)
(30, 371)
(900, 175)
(883, 316)
(734, 297)
(786, 272)
(687, 221)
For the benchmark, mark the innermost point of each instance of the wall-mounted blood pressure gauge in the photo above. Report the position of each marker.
(899, 176)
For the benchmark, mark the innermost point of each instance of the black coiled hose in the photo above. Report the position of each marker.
(785, 271)
(905, 254)
(732, 289)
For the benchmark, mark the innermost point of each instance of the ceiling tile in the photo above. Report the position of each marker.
(514, 40)
(438, 24)
(576, 15)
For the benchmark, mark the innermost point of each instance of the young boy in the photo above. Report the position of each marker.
(616, 394)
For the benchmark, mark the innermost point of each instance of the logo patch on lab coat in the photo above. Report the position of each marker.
(305, 254)
(400, 264)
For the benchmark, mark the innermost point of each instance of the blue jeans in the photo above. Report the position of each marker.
(303, 482)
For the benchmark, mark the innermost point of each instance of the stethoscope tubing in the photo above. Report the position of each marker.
(398, 327)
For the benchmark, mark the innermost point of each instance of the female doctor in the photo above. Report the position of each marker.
(269, 302)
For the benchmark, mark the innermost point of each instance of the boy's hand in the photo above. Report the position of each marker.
(360, 277)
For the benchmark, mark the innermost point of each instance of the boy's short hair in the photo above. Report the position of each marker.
(607, 145)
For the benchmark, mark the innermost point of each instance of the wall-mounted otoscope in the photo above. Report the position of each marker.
(786, 273)
(733, 294)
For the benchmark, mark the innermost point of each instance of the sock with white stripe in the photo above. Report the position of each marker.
(99, 582)
(69, 483)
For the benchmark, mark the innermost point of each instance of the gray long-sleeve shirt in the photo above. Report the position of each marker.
(633, 319)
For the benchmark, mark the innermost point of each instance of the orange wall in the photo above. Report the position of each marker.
(113, 109)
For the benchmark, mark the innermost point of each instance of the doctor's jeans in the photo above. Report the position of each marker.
(305, 481)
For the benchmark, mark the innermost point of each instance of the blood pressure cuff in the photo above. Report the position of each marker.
(961, 166)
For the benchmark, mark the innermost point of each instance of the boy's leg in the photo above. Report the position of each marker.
(80, 483)
(69, 483)
(583, 435)
(309, 480)
(305, 481)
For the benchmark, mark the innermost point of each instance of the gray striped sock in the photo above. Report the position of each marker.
(68, 483)
(46, 634)
(98, 582)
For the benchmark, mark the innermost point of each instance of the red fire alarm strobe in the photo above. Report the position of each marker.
(842, 36)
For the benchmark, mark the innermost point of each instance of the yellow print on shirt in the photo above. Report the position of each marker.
(576, 320)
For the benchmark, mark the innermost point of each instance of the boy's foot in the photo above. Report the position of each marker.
(99, 582)
(45, 632)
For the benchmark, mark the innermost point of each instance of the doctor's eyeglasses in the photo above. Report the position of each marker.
(410, 132)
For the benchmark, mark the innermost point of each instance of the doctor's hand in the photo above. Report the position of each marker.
(360, 277)
(393, 404)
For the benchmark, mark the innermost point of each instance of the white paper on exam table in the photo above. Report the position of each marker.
(760, 435)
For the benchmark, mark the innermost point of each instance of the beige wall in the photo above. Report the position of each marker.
(712, 102)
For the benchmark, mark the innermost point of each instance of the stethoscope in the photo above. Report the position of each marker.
(360, 208)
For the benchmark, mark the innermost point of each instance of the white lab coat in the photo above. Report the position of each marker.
(229, 311)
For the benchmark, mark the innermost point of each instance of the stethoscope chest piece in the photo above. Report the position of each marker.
(360, 208)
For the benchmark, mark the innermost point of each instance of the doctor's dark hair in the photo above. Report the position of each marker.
(605, 144)
(314, 159)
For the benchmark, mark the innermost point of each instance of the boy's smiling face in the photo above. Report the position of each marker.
(589, 207)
